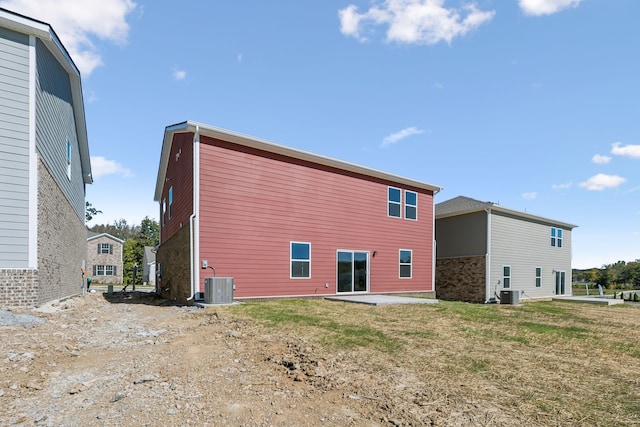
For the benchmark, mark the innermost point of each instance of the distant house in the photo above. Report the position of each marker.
(149, 265)
(483, 248)
(44, 165)
(285, 222)
(104, 263)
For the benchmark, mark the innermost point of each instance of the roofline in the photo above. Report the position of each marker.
(105, 235)
(44, 32)
(264, 145)
(500, 209)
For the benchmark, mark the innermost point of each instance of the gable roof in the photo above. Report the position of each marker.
(260, 144)
(45, 33)
(464, 205)
(107, 235)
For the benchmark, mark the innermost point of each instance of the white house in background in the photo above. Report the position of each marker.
(149, 265)
(484, 248)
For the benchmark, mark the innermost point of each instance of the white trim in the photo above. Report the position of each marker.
(368, 284)
(291, 260)
(33, 159)
(535, 284)
(487, 259)
(400, 264)
(510, 276)
(389, 187)
(434, 249)
(406, 204)
(194, 219)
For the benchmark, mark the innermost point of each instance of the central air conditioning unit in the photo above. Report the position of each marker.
(218, 290)
(510, 296)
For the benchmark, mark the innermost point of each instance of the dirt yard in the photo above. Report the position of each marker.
(136, 360)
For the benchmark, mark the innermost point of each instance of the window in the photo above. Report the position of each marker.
(170, 202)
(410, 204)
(105, 248)
(394, 196)
(300, 260)
(506, 276)
(556, 237)
(405, 263)
(68, 159)
(104, 270)
(538, 277)
(164, 211)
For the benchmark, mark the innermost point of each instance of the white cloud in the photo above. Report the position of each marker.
(179, 74)
(530, 196)
(404, 133)
(564, 186)
(101, 167)
(632, 151)
(414, 21)
(601, 182)
(77, 22)
(546, 7)
(600, 159)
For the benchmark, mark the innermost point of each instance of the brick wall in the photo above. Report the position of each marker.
(174, 256)
(461, 279)
(62, 241)
(18, 287)
(94, 258)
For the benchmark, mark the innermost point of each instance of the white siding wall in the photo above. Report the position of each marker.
(525, 245)
(14, 149)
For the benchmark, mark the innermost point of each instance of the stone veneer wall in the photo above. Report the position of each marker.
(18, 287)
(175, 257)
(62, 241)
(461, 279)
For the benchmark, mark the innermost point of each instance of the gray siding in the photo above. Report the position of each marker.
(525, 245)
(14, 149)
(462, 236)
(55, 123)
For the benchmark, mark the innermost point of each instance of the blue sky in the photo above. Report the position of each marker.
(533, 104)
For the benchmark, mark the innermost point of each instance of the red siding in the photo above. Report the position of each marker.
(180, 177)
(253, 204)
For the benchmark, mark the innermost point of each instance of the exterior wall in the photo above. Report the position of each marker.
(253, 204)
(525, 245)
(173, 280)
(14, 149)
(462, 235)
(180, 178)
(95, 258)
(55, 124)
(461, 279)
(18, 287)
(62, 240)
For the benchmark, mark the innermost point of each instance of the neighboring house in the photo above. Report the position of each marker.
(44, 165)
(483, 248)
(105, 258)
(285, 222)
(149, 265)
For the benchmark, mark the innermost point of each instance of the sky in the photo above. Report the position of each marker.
(532, 104)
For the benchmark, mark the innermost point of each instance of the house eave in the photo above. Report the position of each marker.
(511, 212)
(267, 146)
(45, 33)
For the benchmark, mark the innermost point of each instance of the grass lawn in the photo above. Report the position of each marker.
(543, 363)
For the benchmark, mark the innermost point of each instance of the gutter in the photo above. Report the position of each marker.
(194, 222)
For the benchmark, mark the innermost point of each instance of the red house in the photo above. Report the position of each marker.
(284, 222)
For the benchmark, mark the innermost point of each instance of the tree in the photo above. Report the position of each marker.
(149, 234)
(90, 211)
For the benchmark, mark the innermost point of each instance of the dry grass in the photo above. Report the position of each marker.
(545, 363)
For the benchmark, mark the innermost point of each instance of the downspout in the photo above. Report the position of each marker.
(194, 236)
(433, 250)
(487, 259)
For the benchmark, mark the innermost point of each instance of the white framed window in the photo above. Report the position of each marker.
(170, 202)
(394, 202)
(164, 211)
(405, 263)
(538, 277)
(506, 276)
(410, 205)
(68, 159)
(300, 260)
(105, 248)
(104, 270)
(556, 237)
